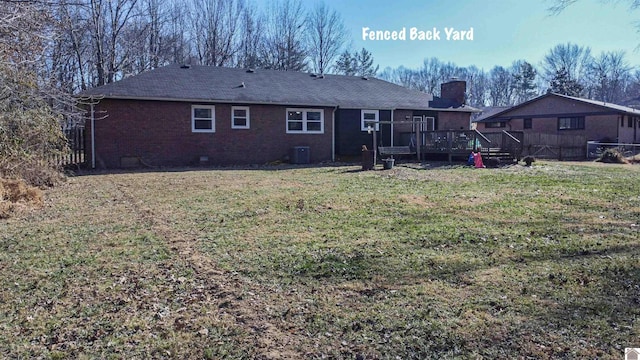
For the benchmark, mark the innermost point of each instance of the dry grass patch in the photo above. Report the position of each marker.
(16, 195)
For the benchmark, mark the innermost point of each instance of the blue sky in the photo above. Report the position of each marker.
(503, 30)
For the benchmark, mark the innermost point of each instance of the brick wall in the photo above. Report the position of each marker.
(159, 133)
(449, 120)
(454, 90)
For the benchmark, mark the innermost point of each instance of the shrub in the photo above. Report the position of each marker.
(31, 138)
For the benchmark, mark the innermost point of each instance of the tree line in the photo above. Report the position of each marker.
(87, 43)
(567, 69)
(101, 41)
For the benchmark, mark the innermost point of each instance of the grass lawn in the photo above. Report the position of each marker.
(327, 262)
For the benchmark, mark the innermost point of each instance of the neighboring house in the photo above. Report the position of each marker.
(186, 115)
(560, 114)
(632, 103)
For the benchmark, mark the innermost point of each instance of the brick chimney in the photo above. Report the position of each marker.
(454, 90)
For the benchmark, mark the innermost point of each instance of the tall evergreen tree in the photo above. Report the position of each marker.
(562, 83)
(346, 64)
(524, 77)
(364, 63)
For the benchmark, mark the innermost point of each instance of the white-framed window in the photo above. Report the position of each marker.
(240, 117)
(305, 121)
(369, 117)
(203, 118)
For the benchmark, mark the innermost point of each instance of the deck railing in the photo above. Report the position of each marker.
(460, 143)
(451, 141)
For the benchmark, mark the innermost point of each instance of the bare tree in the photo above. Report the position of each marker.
(216, 28)
(609, 75)
(156, 36)
(326, 36)
(108, 21)
(179, 47)
(251, 38)
(632, 90)
(284, 47)
(67, 66)
(447, 71)
(477, 84)
(401, 76)
(500, 86)
(567, 58)
(429, 76)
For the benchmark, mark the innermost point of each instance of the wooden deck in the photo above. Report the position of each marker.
(459, 144)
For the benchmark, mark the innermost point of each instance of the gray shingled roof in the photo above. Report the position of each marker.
(218, 84)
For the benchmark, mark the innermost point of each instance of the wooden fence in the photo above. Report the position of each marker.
(552, 146)
(77, 155)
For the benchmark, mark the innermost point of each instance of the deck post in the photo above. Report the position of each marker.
(418, 143)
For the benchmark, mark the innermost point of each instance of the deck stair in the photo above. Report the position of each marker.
(503, 146)
(498, 153)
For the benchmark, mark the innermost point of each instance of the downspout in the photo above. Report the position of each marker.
(93, 134)
(333, 135)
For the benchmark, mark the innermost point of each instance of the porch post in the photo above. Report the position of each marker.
(93, 135)
(418, 140)
(392, 134)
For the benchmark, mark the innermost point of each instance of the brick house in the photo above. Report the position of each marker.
(560, 114)
(186, 115)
